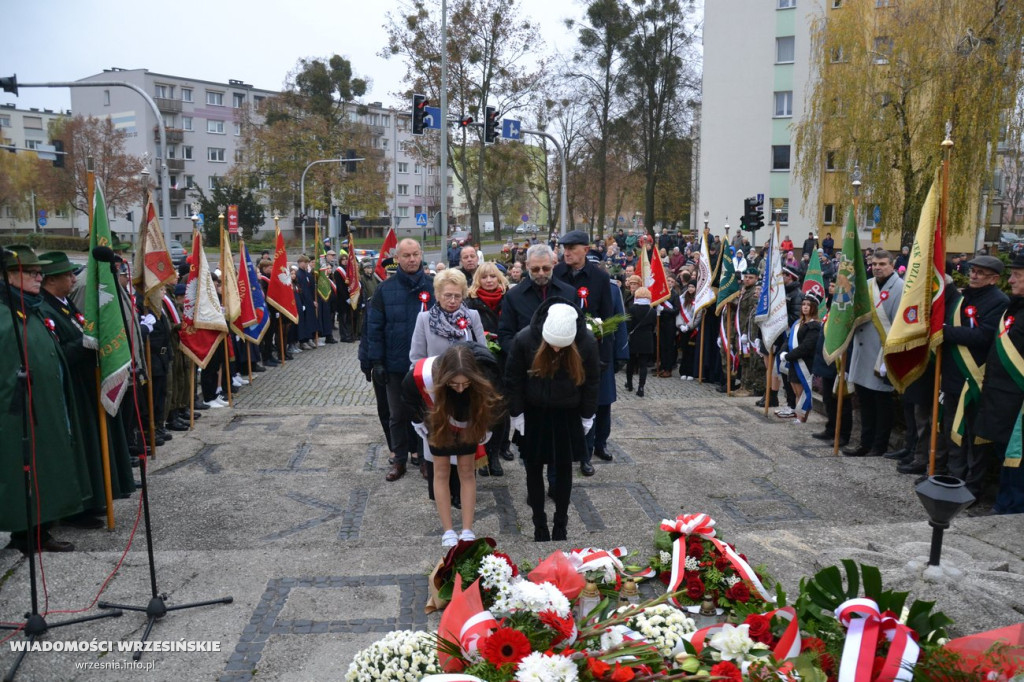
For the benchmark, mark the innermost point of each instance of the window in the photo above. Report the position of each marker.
(238, 129)
(416, 168)
(174, 210)
(837, 55)
(186, 152)
(213, 182)
(403, 211)
(171, 149)
(168, 120)
(830, 160)
(5, 121)
(869, 220)
(237, 100)
(214, 99)
(417, 190)
(784, 50)
(385, 120)
(33, 144)
(163, 91)
(32, 122)
(836, 4)
(106, 98)
(186, 123)
(239, 157)
(883, 49)
(784, 104)
(186, 94)
(884, 3)
(383, 143)
(403, 166)
(215, 154)
(786, 4)
(780, 157)
(829, 214)
(257, 100)
(403, 190)
(216, 127)
(190, 181)
(60, 213)
(783, 215)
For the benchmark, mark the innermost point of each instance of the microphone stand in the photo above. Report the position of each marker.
(35, 624)
(157, 606)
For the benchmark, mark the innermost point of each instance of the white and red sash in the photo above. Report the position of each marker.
(865, 626)
(423, 375)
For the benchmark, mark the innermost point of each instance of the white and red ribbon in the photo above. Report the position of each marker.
(1007, 323)
(583, 293)
(463, 324)
(865, 626)
(703, 526)
(883, 296)
(476, 627)
(971, 313)
(424, 299)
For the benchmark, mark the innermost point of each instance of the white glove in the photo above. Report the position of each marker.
(744, 340)
(587, 424)
(420, 429)
(882, 370)
(519, 424)
(684, 328)
(782, 356)
(148, 321)
(757, 345)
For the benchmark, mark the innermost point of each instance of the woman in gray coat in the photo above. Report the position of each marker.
(448, 321)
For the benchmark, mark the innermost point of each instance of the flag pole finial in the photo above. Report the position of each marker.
(948, 142)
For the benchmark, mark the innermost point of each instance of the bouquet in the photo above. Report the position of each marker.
(664, 626)
(605, 327)
(464, 559)
(403, 655)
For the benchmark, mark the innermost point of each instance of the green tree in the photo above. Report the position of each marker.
(889, 78)
(488, 47)
(19, 177)
(250, 210)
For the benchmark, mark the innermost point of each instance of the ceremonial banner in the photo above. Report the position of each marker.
(103, 327)
(917, 328)
(728, 285)
(154, 268)
(814, 283)
(354, 285)
(280, 293)
(851, 302)
(321, 271)
(771, 314)
(704, 296)
(248, 315)
(387, 250)
(230, 299)
(202, 324)
(248, 278)
(652, 274)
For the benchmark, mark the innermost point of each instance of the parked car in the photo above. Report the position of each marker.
(363, 254)
(527, 229)
(178, 252)
(1007, 240)
(460, 236)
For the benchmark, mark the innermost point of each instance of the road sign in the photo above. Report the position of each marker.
(421, 219)
(432, 117)
(510, 129)
(877, 215)
(233, 219)
(201, 221)
(42, 213)
(760, 198)
(42, 221)
(525, 217)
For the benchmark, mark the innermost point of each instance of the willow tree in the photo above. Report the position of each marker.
(890, 74)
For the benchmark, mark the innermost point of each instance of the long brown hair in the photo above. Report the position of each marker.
(547, 361)
(485, 403)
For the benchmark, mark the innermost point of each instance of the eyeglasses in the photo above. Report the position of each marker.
(459, 385)
(32, 273)
(452, 297)
(541, 269)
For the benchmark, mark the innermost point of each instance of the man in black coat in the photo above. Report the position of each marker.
(999, 414)
(522, 300)
(972, 318)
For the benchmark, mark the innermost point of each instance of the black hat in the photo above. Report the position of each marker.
(989, 263)
(1017, 263)
(792, 272)
(574, 237)
(59, 263)
(179, 289)
(812, 296)
(19, 255)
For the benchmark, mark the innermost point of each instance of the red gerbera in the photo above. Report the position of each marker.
(598, 667)
(622, 673)
(505, 645)
(563, 626)
(727, 670)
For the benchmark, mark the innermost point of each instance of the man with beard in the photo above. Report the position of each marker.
(867, 364)
(522, 300)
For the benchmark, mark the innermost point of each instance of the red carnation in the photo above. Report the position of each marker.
(598, 667)
(622, 673)
(694, 587)
(738, 592)
(695, 548)
(760, 628)
(505, 645)
(727, 670)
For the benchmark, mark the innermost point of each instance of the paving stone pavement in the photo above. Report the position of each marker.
(281, 503)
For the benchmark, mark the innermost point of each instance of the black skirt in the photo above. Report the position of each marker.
(552, 434)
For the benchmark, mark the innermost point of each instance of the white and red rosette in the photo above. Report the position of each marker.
(972, 314)
(80, 318)
(865, 627)
(50, 324)
(583, 293)
(883, 296)
(424, 298)
(703, 526)
(463, 324)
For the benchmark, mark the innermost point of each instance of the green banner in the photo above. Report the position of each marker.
(851, 302)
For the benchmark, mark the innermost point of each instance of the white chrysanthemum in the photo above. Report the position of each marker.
(399, 655)
(494, 572)
(611, 638)
(733, 643)
(732, 580)
(537, 667)
(665, 558)
(692, 564)
(664, 626)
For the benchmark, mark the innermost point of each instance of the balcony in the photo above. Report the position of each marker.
(177, 194)
(170, 106)
(175, 165)
(174, 135)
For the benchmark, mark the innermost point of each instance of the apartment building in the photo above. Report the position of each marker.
(26, 131)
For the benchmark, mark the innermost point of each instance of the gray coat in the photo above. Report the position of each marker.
(425, 344)
(866, 345)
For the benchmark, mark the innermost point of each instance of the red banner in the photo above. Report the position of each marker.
(387, 250)
(232, 219)
(280, 293)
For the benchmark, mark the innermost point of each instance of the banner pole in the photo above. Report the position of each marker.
(192, 394)
(280, 335)
(227, 371)
(728, 350)
(700, 361)
(771, 378)
(947, 148)
(105, 451)
(248, 358)
(841, 379)
(149, 399)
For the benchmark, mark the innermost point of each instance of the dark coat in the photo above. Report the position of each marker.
(990, 303)
(558, 392)
(521, 302)
(599, 299)
(1001, 398)
(305, 294)
(606, 394)
(392, 319)
(642, 319)
(807, 342)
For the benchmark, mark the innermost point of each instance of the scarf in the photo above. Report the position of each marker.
(31, 301)
(446, 325)
(491, 298)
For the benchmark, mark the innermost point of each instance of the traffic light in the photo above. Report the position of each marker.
(58, 149)
(343, 225)
(10, 84)
(419, 110)
(747, 219)
(465, 121)
(350, 167)
(491, 125)
(758, 218)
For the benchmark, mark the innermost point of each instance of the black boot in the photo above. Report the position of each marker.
(640, 391)
(494, 464)
(540, 528)
(558, 530)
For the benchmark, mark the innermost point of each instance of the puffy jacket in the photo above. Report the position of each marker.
(557, 392)
(391, 319)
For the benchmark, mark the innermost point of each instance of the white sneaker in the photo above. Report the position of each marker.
(293, 349)
(321, 341)
(785, 413)
(683, 377)
(240, 379)
(217, 402)
(689, 378)
(449, 539)
(467, 535)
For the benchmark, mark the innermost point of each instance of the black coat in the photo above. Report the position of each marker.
(599, 296)
(521, 302)
(642, 319)
(990, 303)
(1001, 398)
(527, 392)
(807, 343)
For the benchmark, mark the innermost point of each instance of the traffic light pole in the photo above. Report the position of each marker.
(563, 209)
(302, 191)
(165, 184)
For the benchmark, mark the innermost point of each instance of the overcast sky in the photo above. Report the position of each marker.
(256, 41)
